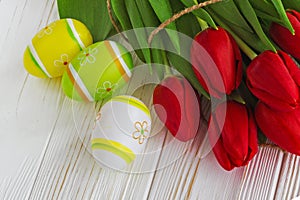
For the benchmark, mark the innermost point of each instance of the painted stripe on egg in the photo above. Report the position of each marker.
(78, 84)
(114, 147)
(134, 102)
(119, 55)
(74, 34)
(118, 60)
(37, 60)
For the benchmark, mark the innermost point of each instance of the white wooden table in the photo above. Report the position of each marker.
(43, 157)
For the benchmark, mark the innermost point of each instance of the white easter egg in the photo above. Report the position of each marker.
(121, 131)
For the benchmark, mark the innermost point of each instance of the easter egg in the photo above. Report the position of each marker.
(53, 47)
(97, 71)
(121, 130)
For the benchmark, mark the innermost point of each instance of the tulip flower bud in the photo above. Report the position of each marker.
(280, 127)
(234, 140)
(284, 38)
(177, 105)
(274, 78)
(216, 61)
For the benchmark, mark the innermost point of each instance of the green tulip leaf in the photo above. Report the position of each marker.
(93, 13)
(229, 11)
(147, 13)
(150, 20)
(265, 7)
(281, 11)
(272, 10)
(119, 9)
(164, 11)
(250, 38)
(292, 4)
(267, 17)
(249, 13)
(187, 24)
(137, 22)
(185, 68)
(201, 13)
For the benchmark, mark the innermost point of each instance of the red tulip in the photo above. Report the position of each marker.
(176, 104)
(284, 38)
(233, 134)
(274, 78)
(216, 61)
(283, 128)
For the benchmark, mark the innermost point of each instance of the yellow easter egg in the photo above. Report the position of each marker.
(53, 47)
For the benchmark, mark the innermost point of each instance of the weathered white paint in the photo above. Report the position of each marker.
(43, 157)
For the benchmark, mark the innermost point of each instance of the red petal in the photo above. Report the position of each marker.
(190, 113)
(295, 14)
(280, 127)
(235, 130)
(215, 59)
(270, 80)
(284, 38)
(253, 143)
(206, 71)
(291, 66)
(167, 106)
(176, 104)
(218, 149)
(238, 62)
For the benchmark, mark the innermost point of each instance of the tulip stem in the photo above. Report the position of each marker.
(243, 46)
(166, 63)
(168, 71)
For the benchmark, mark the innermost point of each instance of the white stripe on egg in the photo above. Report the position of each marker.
(38, 60)
(75, 33)
(80, 83)
(119, 55)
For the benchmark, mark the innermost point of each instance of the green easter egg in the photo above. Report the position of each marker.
(97, 71)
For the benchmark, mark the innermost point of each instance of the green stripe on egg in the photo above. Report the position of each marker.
(69, 29)
(132, 101)
(115, 148)
(34, 61)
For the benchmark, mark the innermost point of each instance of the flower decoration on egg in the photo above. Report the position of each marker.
(141, 130)
(51, 50)
(63, 61)
(88, 56)
(46, 31)
(106, 89)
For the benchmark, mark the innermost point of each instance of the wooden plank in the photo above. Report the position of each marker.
(289, 180)
(25, 101)
(262, 174)
(44, 156)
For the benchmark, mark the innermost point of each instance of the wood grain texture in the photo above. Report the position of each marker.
(44, 140)
(273, 174)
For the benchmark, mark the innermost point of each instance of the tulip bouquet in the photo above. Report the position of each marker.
(243, 55)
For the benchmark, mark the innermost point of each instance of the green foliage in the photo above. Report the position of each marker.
(90, 12)
(292, 4)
